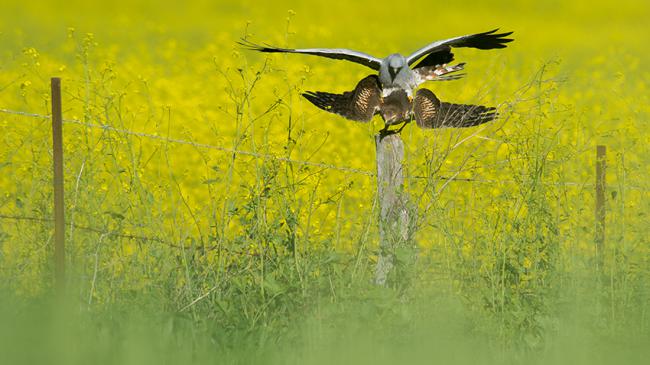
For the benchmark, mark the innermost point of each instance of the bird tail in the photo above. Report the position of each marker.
(440, 72)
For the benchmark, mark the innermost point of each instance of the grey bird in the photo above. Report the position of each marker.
(395, 72)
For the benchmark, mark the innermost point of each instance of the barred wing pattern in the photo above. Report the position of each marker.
(360, 104)
(430, 112)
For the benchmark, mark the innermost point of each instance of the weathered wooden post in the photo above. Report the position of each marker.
(394, 215)
(601, 166)
(57, 155)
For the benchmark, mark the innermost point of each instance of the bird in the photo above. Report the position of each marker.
(392, 91)
(366, 100)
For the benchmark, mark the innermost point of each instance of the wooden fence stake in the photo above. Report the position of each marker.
(393, 217)
(57, 153)
(601, 182)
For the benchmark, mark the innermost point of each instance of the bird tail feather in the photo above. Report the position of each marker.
(441, 72)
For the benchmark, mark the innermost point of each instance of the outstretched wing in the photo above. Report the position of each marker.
(335, 53)
(436, 58)
(430, 112)
(441, 50)
(360, 104)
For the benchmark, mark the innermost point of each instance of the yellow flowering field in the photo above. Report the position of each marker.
(197, 174)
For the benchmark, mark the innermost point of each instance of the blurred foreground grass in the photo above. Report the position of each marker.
(379, 330)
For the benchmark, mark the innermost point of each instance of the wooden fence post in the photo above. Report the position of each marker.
(601, 166)
(57, 153)
(394, 216)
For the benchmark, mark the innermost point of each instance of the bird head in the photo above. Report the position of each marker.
(395, 63)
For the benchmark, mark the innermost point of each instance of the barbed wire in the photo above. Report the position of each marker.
(230, 150)
(24, 114)
(80, 227)
(135, 237)
(322, 165)
(195, 144)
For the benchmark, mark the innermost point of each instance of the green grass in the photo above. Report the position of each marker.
(375, 327)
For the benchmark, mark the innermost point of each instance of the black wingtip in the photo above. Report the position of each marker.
(491, 40)
(491, 33)
(320, 99)
(311, 96)
(245, 43)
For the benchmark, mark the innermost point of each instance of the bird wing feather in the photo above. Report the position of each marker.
(430, 112)
(333, 53)
(485, 40)
(360, 104)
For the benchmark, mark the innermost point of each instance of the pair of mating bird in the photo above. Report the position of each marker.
(390, 93)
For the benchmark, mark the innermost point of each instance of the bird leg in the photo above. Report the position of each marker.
(387, 132)
(402, 127)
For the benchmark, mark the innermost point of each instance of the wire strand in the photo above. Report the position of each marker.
(286, 159)
(195, 144)
(134, 237)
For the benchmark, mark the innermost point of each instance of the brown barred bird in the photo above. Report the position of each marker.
(366, 100)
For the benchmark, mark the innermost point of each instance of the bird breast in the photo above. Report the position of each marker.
(405, 80)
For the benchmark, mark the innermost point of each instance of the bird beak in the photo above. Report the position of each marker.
(393, 72)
